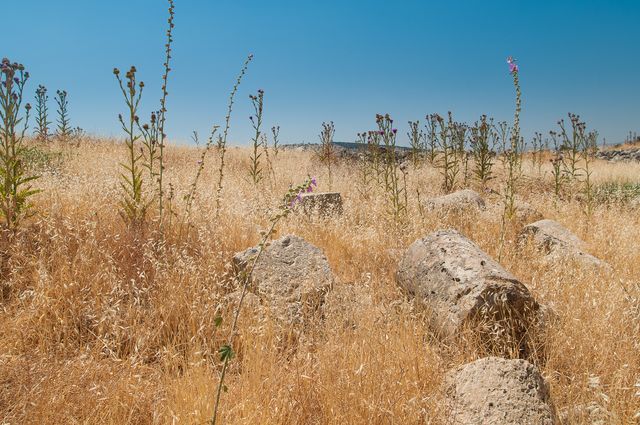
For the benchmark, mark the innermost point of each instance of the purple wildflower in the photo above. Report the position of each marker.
(513, 67)
(314, 182)
(395, 130)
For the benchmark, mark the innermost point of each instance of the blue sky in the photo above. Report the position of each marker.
(335, 60)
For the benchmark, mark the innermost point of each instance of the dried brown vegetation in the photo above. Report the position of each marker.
(101, 325)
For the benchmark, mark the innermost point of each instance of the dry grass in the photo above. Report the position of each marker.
(101, 326)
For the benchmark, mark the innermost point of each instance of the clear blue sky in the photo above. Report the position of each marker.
(338, 60)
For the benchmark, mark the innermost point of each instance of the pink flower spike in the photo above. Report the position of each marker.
(513, 68)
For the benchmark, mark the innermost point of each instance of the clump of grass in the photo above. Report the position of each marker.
(326, 152)
(612, 193)
(255, 166)
(38, 159)
(16, 189)
(42, 114)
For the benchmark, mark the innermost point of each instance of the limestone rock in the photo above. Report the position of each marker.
(461, 285)
(525, 213)
(497, 391)
(559, 244)
(456, 202)
(323, 203)
(291, 277)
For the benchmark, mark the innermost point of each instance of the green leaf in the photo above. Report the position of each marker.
(226, 353)
(217, 321)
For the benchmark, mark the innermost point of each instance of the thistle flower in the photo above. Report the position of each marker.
(513, 67)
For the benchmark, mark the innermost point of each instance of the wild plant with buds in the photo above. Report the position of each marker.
(255, 167)
(42, 114)
(16, 187)
(394, 178)
(134, 204)
(448, 159)
(483, 141)
(63, 130)
(416, 140)
(275, 131)
(366, 173)
(326, 152)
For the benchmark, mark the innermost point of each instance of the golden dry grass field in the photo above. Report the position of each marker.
(102, 326)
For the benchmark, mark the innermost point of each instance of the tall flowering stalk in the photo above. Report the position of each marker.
(291, 199)
(513, 154)
(512, 158)
(163, 109)
(15, 183)
(222, 139)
